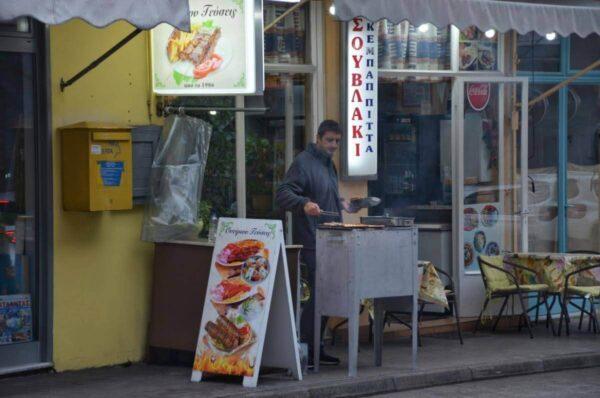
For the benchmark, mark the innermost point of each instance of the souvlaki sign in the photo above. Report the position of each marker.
(361, 122)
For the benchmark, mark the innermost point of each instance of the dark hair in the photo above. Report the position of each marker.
(328, 125)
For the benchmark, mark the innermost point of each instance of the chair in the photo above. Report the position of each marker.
(453, 308)
(584, 299)
(451, 297)
(571, 292)
(501, 283)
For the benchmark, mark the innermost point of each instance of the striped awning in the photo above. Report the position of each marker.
(581, 17)
(144, 14)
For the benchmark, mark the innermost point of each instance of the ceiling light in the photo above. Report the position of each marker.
(332, 9)
(550, 36)
(424, 28)
(490, 33)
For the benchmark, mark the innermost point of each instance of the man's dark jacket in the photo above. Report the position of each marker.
(311, 177)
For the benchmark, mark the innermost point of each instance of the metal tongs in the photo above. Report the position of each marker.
(329, 213)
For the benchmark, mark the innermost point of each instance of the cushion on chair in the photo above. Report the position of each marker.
(541, 287)
(593, 291)
(496, 280)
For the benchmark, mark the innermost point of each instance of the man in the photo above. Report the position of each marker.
(310, 186)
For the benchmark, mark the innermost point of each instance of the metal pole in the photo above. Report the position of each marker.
(99, 60)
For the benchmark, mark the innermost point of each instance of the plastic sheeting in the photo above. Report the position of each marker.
(176, 180)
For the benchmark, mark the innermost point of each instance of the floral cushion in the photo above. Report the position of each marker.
(538, 287)
(496, 279)
(592, 291)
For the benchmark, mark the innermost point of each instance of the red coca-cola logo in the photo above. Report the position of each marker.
(478, 95)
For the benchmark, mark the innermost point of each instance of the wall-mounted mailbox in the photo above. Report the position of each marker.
(96, 167)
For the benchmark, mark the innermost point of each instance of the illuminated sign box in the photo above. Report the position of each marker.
(361, 101)
(222, 55)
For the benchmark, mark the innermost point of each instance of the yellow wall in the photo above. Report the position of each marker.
(102, 271)
(332, 99)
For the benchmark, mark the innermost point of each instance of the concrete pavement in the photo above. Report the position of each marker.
(442, 360)
(577, 383)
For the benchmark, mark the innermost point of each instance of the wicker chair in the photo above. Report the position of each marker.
(584, 293)
(501, 283)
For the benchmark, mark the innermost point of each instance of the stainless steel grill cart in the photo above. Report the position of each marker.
(359, 263)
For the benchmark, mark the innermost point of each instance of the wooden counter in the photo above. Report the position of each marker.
(180, 276)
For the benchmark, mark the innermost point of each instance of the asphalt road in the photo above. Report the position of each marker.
(569, 383)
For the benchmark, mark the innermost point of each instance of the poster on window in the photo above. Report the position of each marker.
(484, 225)
(221, 55)
(248, 286)
(15, 319)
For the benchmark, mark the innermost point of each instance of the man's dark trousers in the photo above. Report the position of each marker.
(307, 320)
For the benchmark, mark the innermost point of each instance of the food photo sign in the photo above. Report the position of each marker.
(248, 289)
(221, 55)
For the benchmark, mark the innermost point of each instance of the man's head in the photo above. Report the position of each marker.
(329, 136)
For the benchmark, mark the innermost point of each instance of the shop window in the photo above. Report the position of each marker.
(219, 185)
(543, 171)
(286, 42)
(404, 46)
(18, 199)
(584, 51)
(478, 50)
(583, 181)
(267, 136)
(537, 53)
(414, 163)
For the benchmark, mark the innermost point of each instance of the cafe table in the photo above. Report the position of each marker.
(551, 269)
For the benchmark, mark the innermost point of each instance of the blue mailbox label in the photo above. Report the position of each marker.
(111, 173)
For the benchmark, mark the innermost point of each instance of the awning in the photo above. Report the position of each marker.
(144, 14)
(581, 17)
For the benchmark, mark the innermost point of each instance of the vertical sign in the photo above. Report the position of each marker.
(248, 286)
(361, 120)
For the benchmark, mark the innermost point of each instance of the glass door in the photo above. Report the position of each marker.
(24, 174)
(489, 170)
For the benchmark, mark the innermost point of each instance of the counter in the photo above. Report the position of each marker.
(180, 277)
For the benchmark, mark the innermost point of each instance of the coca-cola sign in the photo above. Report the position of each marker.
(478, 95)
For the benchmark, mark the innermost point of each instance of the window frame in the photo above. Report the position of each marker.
(314, 113)
(553, 78)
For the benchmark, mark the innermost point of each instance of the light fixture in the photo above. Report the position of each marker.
(490, 33)
(424, 28)
(550, 36)
(332, 9)
(23, 24)
(212, 113)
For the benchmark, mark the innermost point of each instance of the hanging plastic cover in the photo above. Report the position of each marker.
(176, 180)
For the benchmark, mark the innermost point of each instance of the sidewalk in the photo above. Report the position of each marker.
(442, 360)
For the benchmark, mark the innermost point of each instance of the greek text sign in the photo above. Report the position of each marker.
(362, 99)
(218, 56)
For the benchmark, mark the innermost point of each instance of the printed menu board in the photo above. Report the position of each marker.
(222, 54)
(246, 258)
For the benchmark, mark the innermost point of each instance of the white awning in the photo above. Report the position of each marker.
(581, 17)
(144, 14)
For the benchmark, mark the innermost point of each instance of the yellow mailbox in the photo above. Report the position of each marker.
(96, 167)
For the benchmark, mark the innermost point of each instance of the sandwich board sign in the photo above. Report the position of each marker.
(247, 319)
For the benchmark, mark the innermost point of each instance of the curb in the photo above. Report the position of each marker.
(388, 383)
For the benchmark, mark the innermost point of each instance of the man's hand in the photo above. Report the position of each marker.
(312, 209)
(349, 207)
